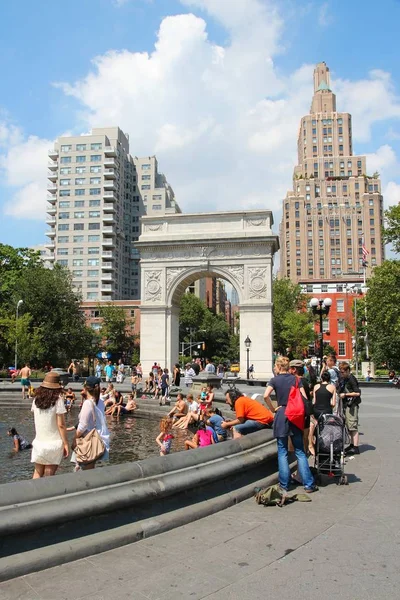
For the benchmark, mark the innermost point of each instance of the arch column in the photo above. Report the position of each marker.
(256, 322)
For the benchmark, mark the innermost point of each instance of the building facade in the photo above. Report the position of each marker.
(97, 194)
(335, 207)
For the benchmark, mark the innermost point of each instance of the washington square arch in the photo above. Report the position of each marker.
(178, 249)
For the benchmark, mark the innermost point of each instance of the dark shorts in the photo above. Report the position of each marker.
(25, 383)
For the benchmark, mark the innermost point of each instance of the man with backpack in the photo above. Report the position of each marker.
(351, 396)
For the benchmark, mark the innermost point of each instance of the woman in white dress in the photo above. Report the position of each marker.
(50, 444)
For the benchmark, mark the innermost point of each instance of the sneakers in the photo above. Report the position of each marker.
(311, 490)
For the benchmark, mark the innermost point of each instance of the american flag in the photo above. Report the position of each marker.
(365, 253)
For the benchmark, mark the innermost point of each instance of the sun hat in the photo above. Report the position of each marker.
(92, 381)
(51, 381)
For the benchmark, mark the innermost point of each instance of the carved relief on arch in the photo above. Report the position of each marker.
(237, 273)
(153, 285)
(257, 282)
(172, 273)
(255, 222)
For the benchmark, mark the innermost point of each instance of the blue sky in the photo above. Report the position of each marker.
(218, 100)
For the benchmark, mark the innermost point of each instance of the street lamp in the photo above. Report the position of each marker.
(247, 343)
(321, 307)
(16, 333)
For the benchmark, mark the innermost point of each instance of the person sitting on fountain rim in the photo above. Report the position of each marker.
(180, 409)
(251, 416)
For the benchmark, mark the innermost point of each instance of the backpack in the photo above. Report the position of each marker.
(274, 496)
(295, 409)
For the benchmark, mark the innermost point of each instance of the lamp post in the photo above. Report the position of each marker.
(321, 307)
(16, 333)
(247, 343)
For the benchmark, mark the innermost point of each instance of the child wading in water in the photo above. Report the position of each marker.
(164, 440)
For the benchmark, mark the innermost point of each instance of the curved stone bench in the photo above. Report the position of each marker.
(54, 520)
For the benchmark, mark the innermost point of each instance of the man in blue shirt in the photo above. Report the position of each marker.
(109, 371)
(215, 420)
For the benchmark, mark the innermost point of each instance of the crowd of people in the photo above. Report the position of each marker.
(336, 391)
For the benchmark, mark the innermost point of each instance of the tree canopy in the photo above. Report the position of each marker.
(292, 322)
(383, 313)
(116, 330)
(391, 230)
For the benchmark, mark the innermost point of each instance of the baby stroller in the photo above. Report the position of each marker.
(331, 436)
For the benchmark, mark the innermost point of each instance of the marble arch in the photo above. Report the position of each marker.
(177, 249)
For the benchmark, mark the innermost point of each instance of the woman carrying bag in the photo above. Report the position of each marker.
(92, 438)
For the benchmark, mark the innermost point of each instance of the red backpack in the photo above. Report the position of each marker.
(295, 410)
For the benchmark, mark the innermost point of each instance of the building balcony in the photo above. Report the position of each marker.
(51, 233)
(107, 266)
(51, 187)
(109, 196)
(108, 218)
(109, 174)
(53, 165)
(51, 210)
(53, 154)
(106, 288)
(110, 185)
(51, 220)
(50, 245)
(107, 277)
(51, 199)
(108, 231)
(107, 254)
(109, 162)
(52, 175)
(108, 242)
(110, 151)
(51, 258)
(109, 207)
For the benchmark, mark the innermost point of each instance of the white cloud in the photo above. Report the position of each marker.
(324, 17)
(23, 163)
(391, 194)
(222, 118)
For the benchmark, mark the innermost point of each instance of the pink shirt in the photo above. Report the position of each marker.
(205, 437)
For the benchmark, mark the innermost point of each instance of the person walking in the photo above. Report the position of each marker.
(109, 371)
(350, 395)
(92, 417)
(25, 374)
(50, 445)
(189, 374)
(283, 429)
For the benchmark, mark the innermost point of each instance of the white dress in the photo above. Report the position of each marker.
(47, 447)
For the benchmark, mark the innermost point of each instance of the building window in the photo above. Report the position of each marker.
(93, 238)
(79, 215)
(93, 284)
(146, 177)
(94, 214)
(65, 170)
(62, 262)
(78, 239)
(77, 262)
(79, 226)
(95, 191)
(62, 251)
(156, 207)
(63, 215)
(146, 167)
(95, 157)
(94, 226)
(339, 305)
(80, 181)
(94, 202)
(80, 170)
(95, 180)
(93, 273)
(93, 250)
(65, 160)
(96, 146)
(342, 348)
(78, 250)
(341, 326)
(79, 203)
(81, 159)
(80, 147)
(93, 262)
(145, 187)
(95, 169)
(66, 148)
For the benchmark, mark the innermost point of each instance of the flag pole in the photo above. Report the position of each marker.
(365, 300)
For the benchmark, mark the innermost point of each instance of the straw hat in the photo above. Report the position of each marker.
(51, 381)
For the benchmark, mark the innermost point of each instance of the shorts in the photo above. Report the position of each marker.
(250, 426)
(133, 387)
(351, 417)
(25, 383)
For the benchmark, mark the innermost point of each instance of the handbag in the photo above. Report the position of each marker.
(90, 448)
(295, 409)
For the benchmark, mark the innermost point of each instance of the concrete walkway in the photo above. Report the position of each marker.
(344, 545)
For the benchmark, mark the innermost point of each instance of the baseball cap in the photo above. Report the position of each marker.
(296, 363)
(92, 381)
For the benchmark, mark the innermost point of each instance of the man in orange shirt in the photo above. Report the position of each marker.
(251, 416)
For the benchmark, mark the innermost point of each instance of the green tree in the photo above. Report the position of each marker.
(287, 299)
(391, 230)
(116, 330)
(383, 311)
(54, 308)
(30, 340)
(191, 317)
(297, 332)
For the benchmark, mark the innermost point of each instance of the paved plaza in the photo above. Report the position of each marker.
(344, 545)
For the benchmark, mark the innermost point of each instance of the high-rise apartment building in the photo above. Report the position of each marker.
(335, 206)
(97, 193)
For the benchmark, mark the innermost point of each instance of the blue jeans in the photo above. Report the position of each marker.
(302, 462)
(249, 426)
